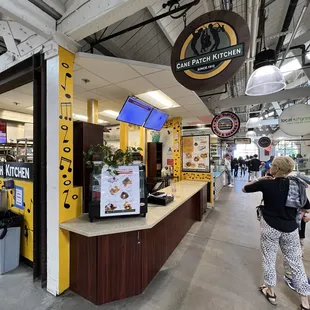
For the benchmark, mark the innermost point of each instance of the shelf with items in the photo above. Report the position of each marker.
(24, 150)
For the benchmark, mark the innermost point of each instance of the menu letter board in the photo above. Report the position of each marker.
(120, 193)
(196, 153)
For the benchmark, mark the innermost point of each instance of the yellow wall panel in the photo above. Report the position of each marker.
(70, 197)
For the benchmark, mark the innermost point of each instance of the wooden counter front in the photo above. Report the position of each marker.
(111, 267)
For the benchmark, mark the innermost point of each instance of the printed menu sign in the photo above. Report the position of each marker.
(120, 193)
(196, 153)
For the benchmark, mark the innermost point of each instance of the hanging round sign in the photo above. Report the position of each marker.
(264, 142)
(210, 50)
(295, 120)
(226, 124)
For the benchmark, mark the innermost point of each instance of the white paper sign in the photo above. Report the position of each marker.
(295, 120)
(120, 194)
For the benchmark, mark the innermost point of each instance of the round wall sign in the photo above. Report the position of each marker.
(295, 120)
(210, 50)
(264, 142)
(226, 124)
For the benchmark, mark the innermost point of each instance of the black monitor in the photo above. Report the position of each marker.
(134, 112)
(156, 120)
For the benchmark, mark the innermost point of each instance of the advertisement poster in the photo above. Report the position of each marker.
(19, 197)
(120, 193)
(196, 153)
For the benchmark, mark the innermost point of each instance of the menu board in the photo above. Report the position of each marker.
(196, 153)
(120, 193)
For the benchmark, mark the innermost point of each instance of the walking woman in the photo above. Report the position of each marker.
(279, 227)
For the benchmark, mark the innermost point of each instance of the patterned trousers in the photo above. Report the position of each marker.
(290, 247)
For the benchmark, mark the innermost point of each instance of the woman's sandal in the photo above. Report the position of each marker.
(303, 308)
(271, 299)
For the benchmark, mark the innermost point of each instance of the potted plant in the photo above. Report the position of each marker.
(101, 155)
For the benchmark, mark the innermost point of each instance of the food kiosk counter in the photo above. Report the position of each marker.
(116, 258)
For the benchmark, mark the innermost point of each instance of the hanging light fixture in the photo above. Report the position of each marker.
(267, 78)
(251, 133)
(254, 121)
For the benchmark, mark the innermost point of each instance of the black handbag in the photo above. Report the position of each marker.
(259, 210)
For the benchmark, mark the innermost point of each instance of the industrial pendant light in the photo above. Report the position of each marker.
(251, 133)
(267, 78)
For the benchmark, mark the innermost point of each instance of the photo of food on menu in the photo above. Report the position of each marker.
(120, 193)
(196, 153)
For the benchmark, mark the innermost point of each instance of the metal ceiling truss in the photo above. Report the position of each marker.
(172, 3)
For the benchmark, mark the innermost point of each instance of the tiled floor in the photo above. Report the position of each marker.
(216, 266)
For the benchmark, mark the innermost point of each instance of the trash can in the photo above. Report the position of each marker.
(10, 226)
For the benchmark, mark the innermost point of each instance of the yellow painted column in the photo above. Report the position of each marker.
(92, 111)
(70, 197)
(143, 132)
(177, 133)
(123, 136)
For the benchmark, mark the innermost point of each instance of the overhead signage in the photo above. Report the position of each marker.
(264, 142)
(242, 141)
(225, 124)
(210, 50)
(21, 171)
(295, 120)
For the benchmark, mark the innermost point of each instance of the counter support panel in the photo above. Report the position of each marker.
(112, 267)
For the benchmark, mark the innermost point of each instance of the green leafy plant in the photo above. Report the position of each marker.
(104, 153)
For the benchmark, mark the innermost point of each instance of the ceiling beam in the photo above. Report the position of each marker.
(30, 16)
(94, 15)
(277, 107)
(265, 122)
(288, 94)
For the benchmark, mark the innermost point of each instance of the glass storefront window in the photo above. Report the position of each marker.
(288, 148)
(246, 149)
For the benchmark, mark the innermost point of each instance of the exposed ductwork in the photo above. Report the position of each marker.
(286, 24)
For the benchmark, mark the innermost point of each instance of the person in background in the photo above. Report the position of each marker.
(268, 164)
(299, 159)
(249, 164)
(227, 164)
(242, 166)
(255, 165)
(279, 227)
(235, 166)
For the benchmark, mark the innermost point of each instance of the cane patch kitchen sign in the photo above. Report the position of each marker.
(210, 50)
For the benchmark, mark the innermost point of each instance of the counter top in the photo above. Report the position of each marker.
(217, 173)
(107, 226)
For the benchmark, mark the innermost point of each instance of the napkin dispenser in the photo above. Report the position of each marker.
(160, 198)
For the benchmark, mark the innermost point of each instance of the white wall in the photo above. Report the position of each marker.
(14, 131)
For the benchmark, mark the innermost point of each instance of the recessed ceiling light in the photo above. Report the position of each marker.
(158, 99)
(80, 117)
(30, 108)
(109, 113)
(101, 121)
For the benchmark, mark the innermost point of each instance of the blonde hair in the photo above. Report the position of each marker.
(285, 164)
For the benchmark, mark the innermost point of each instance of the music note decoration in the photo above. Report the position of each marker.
(74, 197)
(65, 110)
(65, 128)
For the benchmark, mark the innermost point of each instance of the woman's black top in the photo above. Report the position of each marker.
(275, 213)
